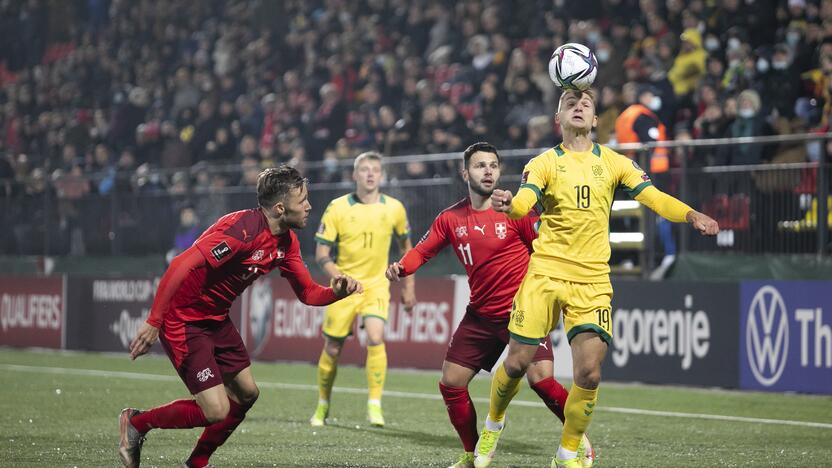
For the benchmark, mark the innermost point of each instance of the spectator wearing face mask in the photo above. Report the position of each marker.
(748, 122)
(780, 84)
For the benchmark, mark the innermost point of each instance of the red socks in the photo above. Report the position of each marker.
(462, 413)
(216, 434)
(178, 414)
(553, 395)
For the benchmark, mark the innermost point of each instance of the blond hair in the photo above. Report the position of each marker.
(366, 156)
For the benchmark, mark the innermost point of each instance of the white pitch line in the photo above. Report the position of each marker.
(412, 395)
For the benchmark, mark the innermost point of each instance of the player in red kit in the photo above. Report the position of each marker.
(190, 315)
(495, 253)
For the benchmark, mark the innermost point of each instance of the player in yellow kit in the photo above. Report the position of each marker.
(569, 272)
(361, 226)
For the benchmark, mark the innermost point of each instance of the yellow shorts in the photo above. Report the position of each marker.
(541, 299)
(338, 317)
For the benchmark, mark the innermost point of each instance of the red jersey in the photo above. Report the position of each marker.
(223, 262)
(493, 248)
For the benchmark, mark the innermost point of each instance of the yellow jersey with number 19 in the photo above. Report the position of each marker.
(576, 192)
(362, 233)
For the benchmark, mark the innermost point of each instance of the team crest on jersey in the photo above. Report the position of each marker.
(461, 231)
(597, 170)
(518, 316)
(258, 255)
(501, 230)
(221, 251)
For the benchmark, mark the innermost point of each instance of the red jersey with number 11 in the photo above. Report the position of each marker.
(493, 249)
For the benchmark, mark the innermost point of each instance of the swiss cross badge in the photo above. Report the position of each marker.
(500, 229)
(461, 231)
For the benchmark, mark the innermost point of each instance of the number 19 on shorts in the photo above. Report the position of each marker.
(603, 316)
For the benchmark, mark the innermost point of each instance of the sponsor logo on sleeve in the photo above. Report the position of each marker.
(322, 228)
(221, 251)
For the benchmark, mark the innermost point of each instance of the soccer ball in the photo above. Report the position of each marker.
(573, 66)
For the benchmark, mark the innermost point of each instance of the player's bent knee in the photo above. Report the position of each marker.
(515, 368)
(250, 397)
(216, 412)
(588, 378)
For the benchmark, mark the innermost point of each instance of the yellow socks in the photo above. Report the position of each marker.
(503, 389)
(376, 371)
(327, 368)
(579, 408)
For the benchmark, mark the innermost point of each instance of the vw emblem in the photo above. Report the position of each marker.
(767, 335)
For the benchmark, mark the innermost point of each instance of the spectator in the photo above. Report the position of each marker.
(689, 66)
(749, 122)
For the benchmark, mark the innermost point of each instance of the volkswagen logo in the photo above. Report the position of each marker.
(767, 335)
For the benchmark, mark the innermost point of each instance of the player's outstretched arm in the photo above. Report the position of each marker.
(409, 286)
(676, 211)
(176, 273)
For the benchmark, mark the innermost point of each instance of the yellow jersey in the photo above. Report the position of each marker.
(362, 234)
(574, 193)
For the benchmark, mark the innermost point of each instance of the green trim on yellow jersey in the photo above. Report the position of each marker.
(589, 327)
(524, 340)
(561, 151)
(534, 188)
(321, 240)
(637, 190)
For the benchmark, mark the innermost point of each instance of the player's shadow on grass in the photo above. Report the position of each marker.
(433, 440)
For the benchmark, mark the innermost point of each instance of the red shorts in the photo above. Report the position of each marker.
(203, 352)
(478, 343)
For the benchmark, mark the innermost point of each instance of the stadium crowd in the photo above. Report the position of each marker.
(152, 96)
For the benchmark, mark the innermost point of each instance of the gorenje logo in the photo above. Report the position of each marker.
(767, 335)
(684, 333)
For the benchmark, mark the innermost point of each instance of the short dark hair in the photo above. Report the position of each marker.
(483, 146)
(274, 183)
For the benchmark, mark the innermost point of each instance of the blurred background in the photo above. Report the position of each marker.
(127, 127)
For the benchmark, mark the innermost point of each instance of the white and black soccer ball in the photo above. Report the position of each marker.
(573, 66)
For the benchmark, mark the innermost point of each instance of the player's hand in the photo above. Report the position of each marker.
(343, 286)
(703, 223)
(408, 297)
(501, 200)
(393, 272)
(145, 337)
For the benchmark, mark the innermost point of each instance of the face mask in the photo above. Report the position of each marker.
(779, 65)
(734, 43)
(602, 55)
(762, 65)
(711, 44)
(793, 38)
(746, 113)
(655, 104)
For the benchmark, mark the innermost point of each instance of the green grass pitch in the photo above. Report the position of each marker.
(60, 409)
